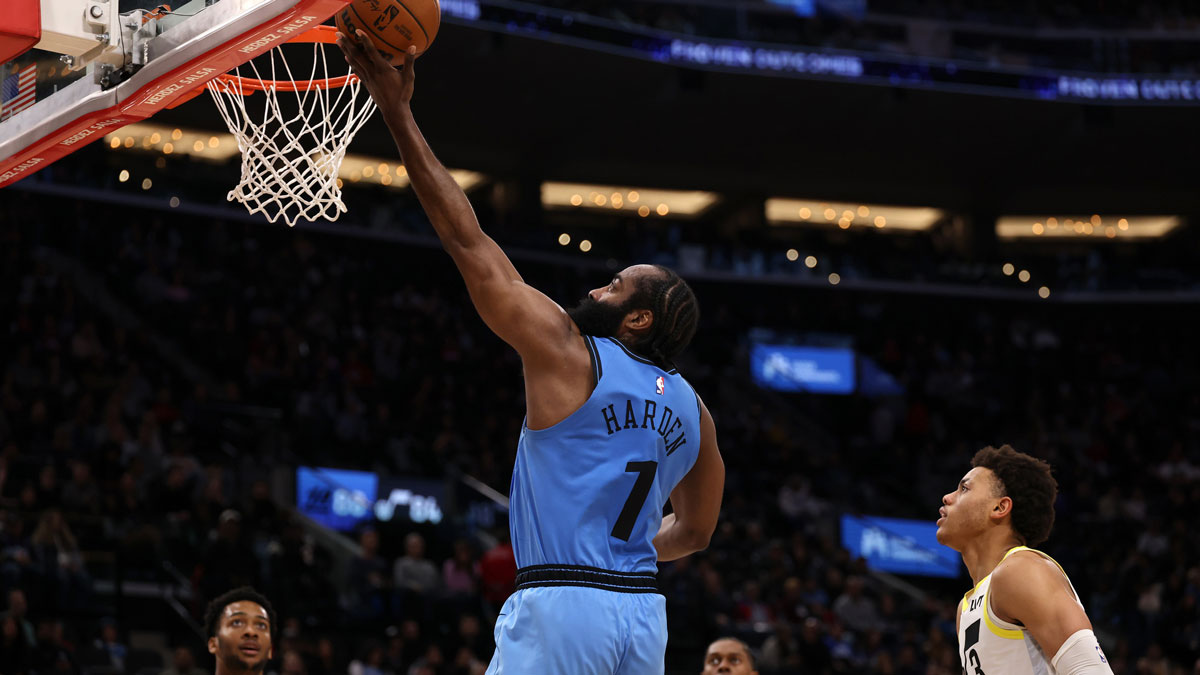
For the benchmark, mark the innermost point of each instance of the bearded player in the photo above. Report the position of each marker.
(1023, 617)
(611, 430)
(239, 625)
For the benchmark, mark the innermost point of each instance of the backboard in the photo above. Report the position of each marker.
(148, 57)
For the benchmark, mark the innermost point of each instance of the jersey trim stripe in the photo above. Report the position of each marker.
(991, 624)
(635, 357)
(535, 576)
(586, 584)
(597, 368)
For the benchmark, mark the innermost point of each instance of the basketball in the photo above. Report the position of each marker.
(393, 25)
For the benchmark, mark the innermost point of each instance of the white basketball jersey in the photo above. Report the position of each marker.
(990, 646)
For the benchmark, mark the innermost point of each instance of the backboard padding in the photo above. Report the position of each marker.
(212, 41)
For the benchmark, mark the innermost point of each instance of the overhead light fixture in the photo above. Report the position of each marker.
(1093, 226)
(667, 203)
(787, 211)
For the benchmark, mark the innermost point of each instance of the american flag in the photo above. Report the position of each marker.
(19, 91)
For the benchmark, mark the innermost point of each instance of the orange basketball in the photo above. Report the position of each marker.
(393, 25)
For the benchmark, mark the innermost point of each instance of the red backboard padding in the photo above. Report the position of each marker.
(20, 27)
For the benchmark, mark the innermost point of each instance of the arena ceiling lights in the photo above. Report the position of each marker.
(167, 140)
(389, 172)
(845, 215)
(221, 147)
(1095, 227)
(645, 202)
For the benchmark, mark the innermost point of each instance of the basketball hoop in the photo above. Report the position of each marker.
(293, 148)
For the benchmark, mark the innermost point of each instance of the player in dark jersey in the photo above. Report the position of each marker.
(611, 430)
(239, 626)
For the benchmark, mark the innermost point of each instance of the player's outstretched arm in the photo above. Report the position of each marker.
(1030, 590)
(696, 499)
(519, 314)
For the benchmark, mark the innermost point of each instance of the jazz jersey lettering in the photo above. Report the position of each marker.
(990, 646)
(590, 490)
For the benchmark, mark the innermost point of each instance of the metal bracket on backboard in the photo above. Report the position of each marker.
(82, 31)
(132, 46)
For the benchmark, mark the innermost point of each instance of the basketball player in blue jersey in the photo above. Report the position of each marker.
(611, 431)
(1023, 617)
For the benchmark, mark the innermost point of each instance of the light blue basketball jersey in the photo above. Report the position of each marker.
(589, 491)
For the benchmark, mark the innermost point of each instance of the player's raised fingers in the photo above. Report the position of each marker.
(353, 57)
(349, 48)
(368, 48)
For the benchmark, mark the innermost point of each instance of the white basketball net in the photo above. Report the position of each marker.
(292, 150)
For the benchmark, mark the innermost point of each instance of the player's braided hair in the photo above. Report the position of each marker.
(212, 614)
(1027, 481)
(676, 315)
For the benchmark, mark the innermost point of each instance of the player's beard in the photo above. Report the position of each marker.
(234, 662)
(596, 318)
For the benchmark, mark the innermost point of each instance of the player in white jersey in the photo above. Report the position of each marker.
(1023, 617)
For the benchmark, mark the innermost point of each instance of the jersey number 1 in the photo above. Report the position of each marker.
(637, 497)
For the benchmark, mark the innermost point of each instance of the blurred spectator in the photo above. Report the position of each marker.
(61, 563)
(855, 609)
(262, 514)
(229, 561)
(53, 654)
(412, 570)
(781, 651)
(183, 662)
(367, 583)
(81, 494)
(498, 572)
(292, 664)
(371, 662)
(15, 652)
(752, 609)
(18, 611)
(460, 573)
(472, 638)
(814, 654)
(110, 645)
(326, 660)
(430, 663)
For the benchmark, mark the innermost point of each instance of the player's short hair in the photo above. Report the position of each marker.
(676, 314)
(212, 613)
(1027, 481)
(745, 647)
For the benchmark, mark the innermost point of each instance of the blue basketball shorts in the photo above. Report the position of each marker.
(575, 630)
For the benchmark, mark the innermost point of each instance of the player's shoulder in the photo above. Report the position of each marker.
(1028, 559)
(1026, 573)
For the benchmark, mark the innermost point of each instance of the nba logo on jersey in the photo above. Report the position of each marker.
(660, 383)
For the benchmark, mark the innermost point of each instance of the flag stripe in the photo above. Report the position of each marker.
(19, 91)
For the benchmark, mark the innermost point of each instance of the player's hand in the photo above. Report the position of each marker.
(387, 85)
